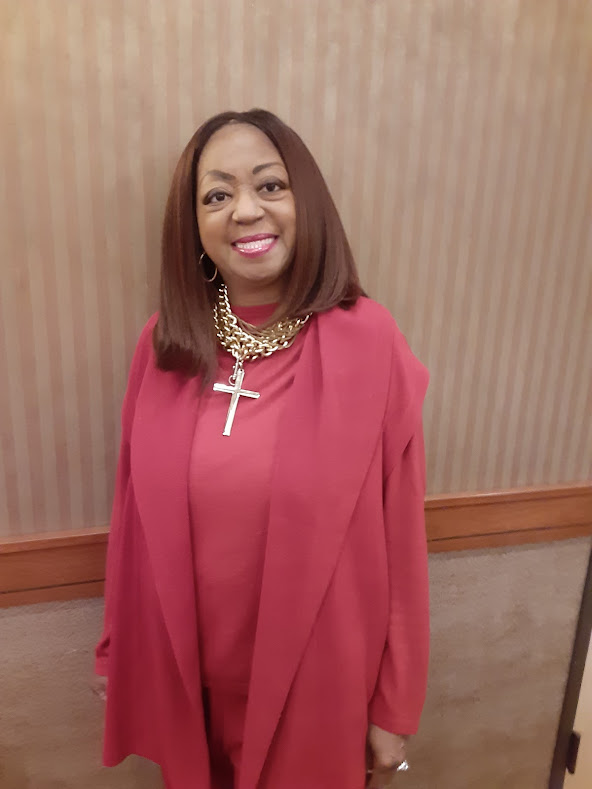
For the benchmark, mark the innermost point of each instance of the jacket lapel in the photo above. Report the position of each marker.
(331, 428)
(162, 435)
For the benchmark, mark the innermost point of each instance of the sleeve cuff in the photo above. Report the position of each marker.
(382, 716)
(101, 666)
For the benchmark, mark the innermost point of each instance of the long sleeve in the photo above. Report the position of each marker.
(113, 552)
(122, 481)
(400, 691)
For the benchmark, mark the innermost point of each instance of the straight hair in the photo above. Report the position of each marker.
(321, 275)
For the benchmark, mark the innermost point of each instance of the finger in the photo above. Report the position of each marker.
(100, 691)
(389, 759)
(381, 778)
(384, 769)
(387, 749)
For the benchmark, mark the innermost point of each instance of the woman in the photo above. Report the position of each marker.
(266, 615)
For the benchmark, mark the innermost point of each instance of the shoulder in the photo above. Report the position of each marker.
(373, 327)
(368, 329)
(144, 348)
(368, 315)
(379, 319)
(146, 333)
(367, 339)
(141, 359)
(408, 376)
(365, 325)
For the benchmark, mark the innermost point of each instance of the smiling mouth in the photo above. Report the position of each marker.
(255, 245)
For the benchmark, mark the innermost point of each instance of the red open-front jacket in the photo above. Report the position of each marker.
(342, 637)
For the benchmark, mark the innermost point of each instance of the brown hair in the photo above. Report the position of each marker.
(322, 273)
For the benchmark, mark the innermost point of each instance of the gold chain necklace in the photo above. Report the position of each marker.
(246, 342)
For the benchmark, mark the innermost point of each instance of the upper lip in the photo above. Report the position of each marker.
(257, 237)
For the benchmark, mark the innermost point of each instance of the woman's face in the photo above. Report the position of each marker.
(246, 213)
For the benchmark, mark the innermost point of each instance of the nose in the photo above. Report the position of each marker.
(247, 207)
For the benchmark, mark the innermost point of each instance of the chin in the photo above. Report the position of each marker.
(259, 272)
(268, 284)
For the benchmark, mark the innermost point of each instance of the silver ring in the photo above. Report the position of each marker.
(400, 768)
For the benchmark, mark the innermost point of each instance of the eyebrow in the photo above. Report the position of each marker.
(230, 178)
(263, 166)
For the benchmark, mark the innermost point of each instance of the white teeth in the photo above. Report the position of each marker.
(254, 245)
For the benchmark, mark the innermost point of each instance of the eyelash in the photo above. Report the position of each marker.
(209, 198)
(279, 184)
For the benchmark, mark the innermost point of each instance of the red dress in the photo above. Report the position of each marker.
(342, 621)
(230, 479)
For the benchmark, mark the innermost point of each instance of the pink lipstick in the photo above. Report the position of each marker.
(256, 245)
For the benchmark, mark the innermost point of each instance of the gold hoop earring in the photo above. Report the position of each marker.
(201, 257)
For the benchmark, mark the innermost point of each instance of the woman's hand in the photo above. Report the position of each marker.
(385, 752)
(99, 687)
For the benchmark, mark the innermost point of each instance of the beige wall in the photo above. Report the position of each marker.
(455, 137)
(502, 622)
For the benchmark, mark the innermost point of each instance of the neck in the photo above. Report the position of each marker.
(256, 297)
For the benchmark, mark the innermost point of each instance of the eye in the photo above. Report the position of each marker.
(269, 187)
(215, 197)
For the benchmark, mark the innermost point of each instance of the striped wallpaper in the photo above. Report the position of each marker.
(456, 137)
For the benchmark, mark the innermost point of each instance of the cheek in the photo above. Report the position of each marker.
(202, 225)
(290, 225)
(209, 228)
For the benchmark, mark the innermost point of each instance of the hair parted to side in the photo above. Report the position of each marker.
(321, 275)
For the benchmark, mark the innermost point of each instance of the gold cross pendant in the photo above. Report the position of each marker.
(235, 391)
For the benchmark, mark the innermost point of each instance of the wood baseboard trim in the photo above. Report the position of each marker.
(505, 518)
(68, 565)
(52, 594)
(508, 539)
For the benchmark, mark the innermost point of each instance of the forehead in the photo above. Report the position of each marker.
(237, 147)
